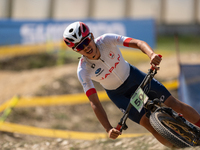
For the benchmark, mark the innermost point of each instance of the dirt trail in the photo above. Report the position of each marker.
(27, 83)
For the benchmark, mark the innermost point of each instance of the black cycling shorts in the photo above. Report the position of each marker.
(121, 96)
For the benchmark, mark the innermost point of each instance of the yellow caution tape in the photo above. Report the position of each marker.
(71, 99)
(22, 129)
(171, 85)
(6, 107)
(18, 50)
(58, 100)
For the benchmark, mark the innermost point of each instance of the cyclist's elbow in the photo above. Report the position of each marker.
(141, 44)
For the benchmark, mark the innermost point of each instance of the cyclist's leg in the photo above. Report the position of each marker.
(145, 123)
(188, 112)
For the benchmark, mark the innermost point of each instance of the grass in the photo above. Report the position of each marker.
(185, 43)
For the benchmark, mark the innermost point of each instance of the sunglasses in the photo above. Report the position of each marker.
(85, 42)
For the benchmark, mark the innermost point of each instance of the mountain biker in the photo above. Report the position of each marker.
(103, 62)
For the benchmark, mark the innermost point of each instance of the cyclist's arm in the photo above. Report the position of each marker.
(145, 48)
(102, 117)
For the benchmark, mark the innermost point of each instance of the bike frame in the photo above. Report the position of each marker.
(122, 124)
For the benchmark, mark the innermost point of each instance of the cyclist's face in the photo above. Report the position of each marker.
(90, 51)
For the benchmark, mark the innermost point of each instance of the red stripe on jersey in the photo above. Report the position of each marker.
(127, 41)
(91, 91)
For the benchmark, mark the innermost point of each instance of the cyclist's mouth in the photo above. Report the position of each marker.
(90, 51)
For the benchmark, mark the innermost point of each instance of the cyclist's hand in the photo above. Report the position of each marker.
(155, 60)
(113, 133)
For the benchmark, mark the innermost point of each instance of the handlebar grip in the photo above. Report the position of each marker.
(160, 55)
(152, 68)
(119, 127)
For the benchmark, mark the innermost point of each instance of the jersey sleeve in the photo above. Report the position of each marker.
(117, 39)
(85, 79)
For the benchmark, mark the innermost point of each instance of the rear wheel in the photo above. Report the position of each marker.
(176, 133)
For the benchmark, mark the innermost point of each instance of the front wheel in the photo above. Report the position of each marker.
(169, 128)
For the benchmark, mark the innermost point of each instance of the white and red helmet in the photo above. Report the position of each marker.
(75, 32)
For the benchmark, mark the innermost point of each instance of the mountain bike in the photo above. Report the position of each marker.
(168, 123)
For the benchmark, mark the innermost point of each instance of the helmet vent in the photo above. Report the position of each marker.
(71, 30)
(71, 40)
(67, 43)
(79, 31)
(74, 35)
(84, 28)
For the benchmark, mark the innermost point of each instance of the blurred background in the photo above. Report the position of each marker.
(35, 62)
(170, 16)
(165, 12)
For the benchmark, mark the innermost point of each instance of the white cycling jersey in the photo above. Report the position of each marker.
(110, 70)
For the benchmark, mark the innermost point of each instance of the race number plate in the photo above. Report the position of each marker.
(138, 99)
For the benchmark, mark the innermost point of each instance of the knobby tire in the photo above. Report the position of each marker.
(171, 129)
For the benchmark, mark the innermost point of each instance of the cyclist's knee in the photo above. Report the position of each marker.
(175, 104)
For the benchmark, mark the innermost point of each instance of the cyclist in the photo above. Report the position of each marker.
(103, 62)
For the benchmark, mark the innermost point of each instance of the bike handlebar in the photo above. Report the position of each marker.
(119, 126)
(152, 68)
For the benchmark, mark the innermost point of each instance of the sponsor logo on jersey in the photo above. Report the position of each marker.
(112, 68)
(93, 66)
(111, 55)
(98, 72)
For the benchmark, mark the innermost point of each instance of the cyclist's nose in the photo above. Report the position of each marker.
(86, 47)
